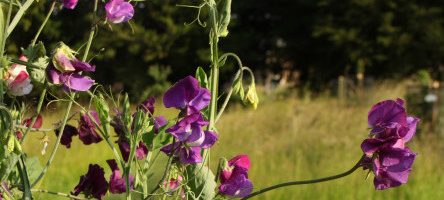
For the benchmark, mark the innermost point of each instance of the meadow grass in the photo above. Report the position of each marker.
(286, 139)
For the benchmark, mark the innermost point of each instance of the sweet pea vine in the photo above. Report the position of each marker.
(140, 139)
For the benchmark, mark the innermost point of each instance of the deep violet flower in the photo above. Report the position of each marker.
(87, 128)
(93, 183)
(187, 95)
(148, 105)
(385, 150)
(66, 70)
(124, 146)
(18, 81)
(68, 132)
(117, 183)
(69, 4)
(234, 178)
(118, 11)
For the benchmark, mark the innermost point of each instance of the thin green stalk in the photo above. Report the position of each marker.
(34, 119)
(214, 69)
(291, 183)
(51, 9)
(18, 16)
(58, 194)
(128, 170)
(227, 98)
(24, 176)
(56, 145)
(2, 48)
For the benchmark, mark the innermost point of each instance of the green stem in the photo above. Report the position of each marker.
(227, 98)
(18, 16)
(24, 176)
(51, 9)
(58, 194)
(291, 183)
(34, 119)
(128, 169)
(214, 69)
(56, 145)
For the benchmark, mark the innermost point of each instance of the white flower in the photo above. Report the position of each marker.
(18, 80)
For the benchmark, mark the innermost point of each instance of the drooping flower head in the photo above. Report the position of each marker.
(187, 95)
(87, 128)
(66, 70)
(234, 178)
(117, 183)
(69, 4)
(18, 81)
(386, 151)
(93, 183)
(118, 11)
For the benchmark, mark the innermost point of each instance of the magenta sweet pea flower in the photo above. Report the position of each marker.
(118, 11)
(117, 183)
(93, 183)
(385, 150)
(69, 4)
(18, 81)
(187, 95)
(234, 178)
(87, 128)
(186, 155)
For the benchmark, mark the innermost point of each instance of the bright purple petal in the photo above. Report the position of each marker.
(181, 93)
(210, 138)
(118, 11)
(386, 112)
(76, 82)
(83, 66)
(190, 155)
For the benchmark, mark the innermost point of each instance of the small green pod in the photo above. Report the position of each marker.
(224, 17)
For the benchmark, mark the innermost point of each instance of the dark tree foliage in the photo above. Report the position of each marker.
(320, 38)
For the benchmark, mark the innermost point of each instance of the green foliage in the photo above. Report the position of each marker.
(200, 182)
(201, 76)
(102, 109)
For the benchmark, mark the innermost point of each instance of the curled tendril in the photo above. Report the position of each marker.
(197, 19)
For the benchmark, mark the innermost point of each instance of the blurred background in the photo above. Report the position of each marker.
(320, 65)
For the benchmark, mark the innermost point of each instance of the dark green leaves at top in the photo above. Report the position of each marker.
(103, 111)
(200, 182)
(201, 76)
(35, 52)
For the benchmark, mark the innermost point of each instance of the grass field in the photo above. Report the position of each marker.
(287, 139)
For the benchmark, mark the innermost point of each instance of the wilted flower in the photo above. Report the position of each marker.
(386, 153)
(117, 183)
(118, 11)
(234, 178)
(87, 128)
(69, 4)
(93, 183)
(18, 81)
(67, 135)
(187, 95)
(66, 70)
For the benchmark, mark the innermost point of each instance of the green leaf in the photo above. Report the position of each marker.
(224, 17)
(237, 85)
(200, 181)
(201, 76)
(33, 167)
(35, 52)
(103, 111)
(161, 139)
(7, 165)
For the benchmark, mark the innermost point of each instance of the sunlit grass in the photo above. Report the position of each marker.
(287, 139)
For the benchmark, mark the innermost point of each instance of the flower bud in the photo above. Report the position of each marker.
(62, 57)
(252, 96)
(17, 80)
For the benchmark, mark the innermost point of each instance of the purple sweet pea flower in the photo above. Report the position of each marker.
(71, 81)
(69, 4)
(186, 155)
(159, 122)
(117, 183)
(385, 150)
(93, 183)
(392, 167)
(87, 128)
(148, 105)
(234, 178)
(190, 131)
(187, 95)
(67, 135)
(118, 11)
(141, 150)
